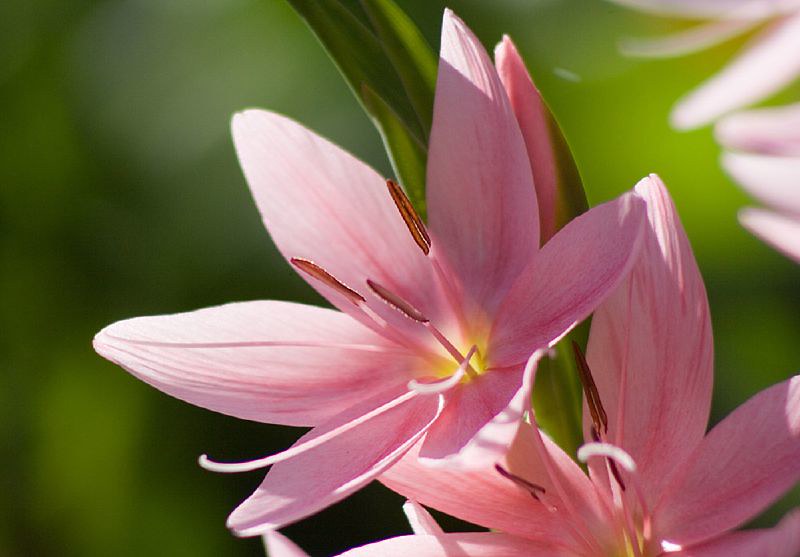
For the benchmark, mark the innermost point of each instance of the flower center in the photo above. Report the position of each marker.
(462, 359)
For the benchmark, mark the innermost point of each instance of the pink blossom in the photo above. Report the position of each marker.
(278, 545)
(767, 131)
(435, 323)
(657, 483)
(769, 62)
(764, 158)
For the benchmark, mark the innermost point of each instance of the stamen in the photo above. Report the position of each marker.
(291, 452)
(314, 270)
(401, 305)
(612, 465)
(452, 350)
(251, 344)
(396, 302)
(599, 417)
(415, 225)
(578, 526)
(534, 489)
(607, 450)
(613, 455)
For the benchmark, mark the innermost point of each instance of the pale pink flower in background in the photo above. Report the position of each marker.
(658, 484)
(767, 64)
(436, 323)
(767, 131)
(764, 157)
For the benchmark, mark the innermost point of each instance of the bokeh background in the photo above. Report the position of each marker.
(120, 195)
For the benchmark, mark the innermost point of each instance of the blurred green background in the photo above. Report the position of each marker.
(120, 196)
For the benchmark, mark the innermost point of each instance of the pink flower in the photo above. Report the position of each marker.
(764, 158)
(657, 482)
(435, 323)
(770, 62)
(278, 545)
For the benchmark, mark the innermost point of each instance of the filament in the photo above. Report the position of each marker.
(291, 452)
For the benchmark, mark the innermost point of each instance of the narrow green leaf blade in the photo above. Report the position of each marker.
(557, 395)
(412, 57)
(570, 193)
(407, 155)
(358, 54)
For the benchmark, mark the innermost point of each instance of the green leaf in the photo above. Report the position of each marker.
(359, 55)
(408, 156)
(570, 194)
(391, 70)
(412, 57)
(557, 395)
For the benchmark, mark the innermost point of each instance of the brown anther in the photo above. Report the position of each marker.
(396, 302)
(599, 417)
(611, 464)
(615, 472)
(410, 216)
(314, 270)
(530, 487)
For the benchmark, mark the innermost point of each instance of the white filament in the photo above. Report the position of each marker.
(607, 450)
(250, 465)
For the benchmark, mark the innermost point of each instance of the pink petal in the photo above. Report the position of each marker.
(481, 199)
(744, 464)
(685, 42)
(534, 122)
(483, 544)
(782, 233)
(273, 362)
(321, 204)
(536, 458)
(481, 420)
(763, 69)
(574, 272)
(773, 180)
(330, 472)
(487, 498)
(420, 520)
(767, 131)
(714, 8)
(278, 545)
(780, 541)
(651, 349)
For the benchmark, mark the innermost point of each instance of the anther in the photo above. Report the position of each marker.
(312, 269)
(534, 489)
(599, 417)
(396, 302)
(415, 225)
(615, 472)
(404, 307)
